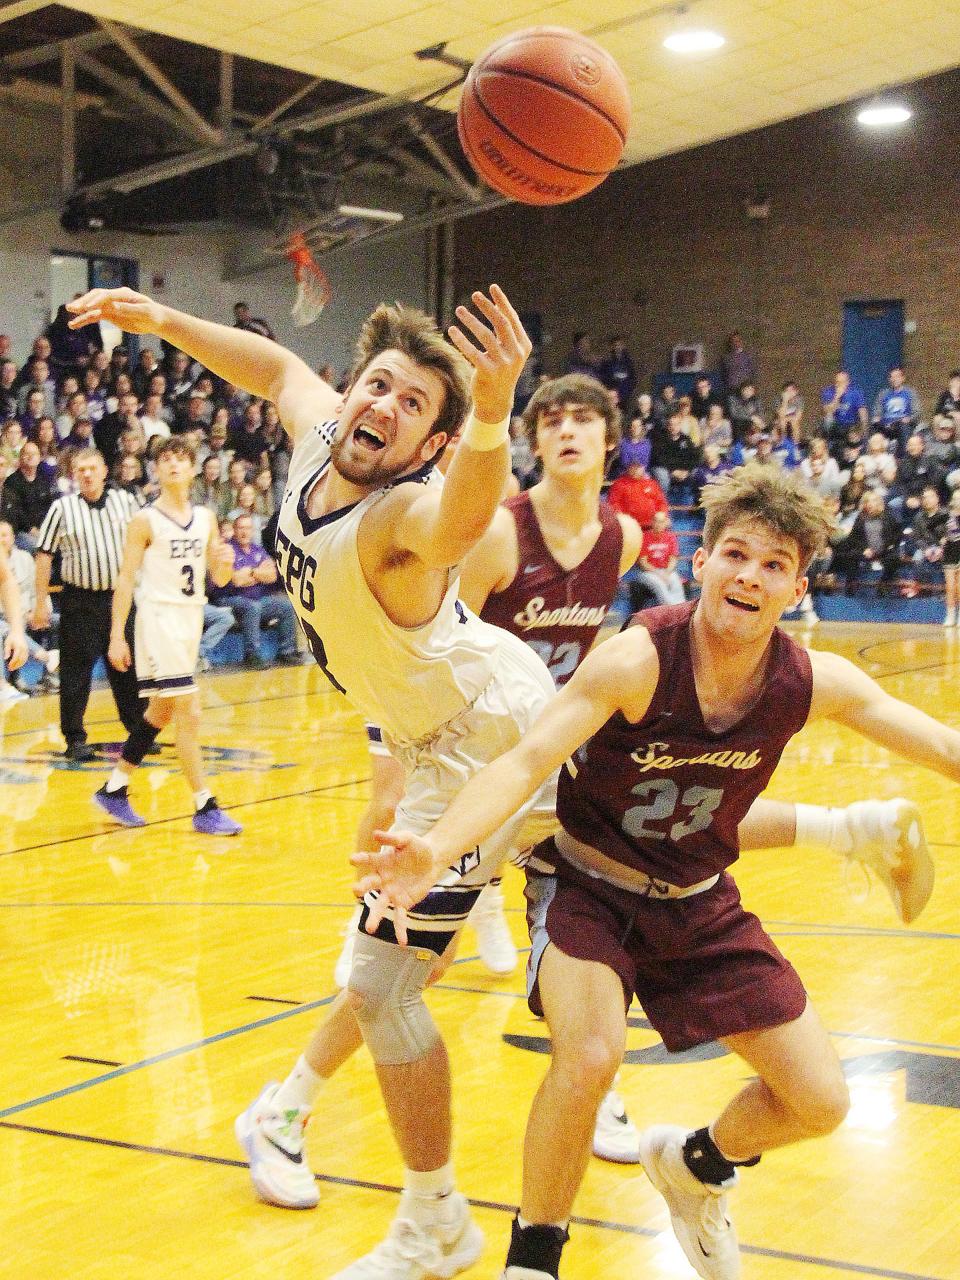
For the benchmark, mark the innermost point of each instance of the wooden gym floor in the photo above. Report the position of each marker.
(154, 980)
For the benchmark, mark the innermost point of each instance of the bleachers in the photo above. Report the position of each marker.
(868, 604)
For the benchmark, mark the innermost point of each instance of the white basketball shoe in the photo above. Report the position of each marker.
(887, 837)
(615, 1136)
(274, 1142)
(494, 941)
(698, 1210)
(442, 1240)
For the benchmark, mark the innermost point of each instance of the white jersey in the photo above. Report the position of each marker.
(408, 680)
(174, 569)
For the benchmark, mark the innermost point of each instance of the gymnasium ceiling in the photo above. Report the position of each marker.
(360, 104)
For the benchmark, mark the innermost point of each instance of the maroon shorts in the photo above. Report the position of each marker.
(701, 967)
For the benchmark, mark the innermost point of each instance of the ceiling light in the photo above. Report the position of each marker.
(880, 114)
(694, 42)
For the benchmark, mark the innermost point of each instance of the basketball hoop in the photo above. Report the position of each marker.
(313, 287)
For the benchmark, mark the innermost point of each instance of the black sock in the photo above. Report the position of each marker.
(706, 1162)
(537, 1248)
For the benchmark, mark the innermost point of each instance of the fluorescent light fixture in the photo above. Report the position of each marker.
(371, 215)
(878, 115)
(694, 42)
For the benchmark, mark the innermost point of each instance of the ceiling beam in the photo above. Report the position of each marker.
(355, 109)
(165, 170)
(449, 166)
(20, 8)
(202, 129)
(130, 89)
(42, 53)
(283, 107)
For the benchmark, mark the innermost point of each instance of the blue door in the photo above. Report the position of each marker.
(872, 342)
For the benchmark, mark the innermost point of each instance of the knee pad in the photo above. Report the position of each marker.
(389, 981)
(142, 737)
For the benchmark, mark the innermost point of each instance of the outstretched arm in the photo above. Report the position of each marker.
(842, 692)
(441, 528)
(247, 360)
(620, 674)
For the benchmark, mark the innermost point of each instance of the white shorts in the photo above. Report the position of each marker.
(166, 645)
(436, 772)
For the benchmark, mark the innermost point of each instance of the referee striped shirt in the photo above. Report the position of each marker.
(89, 537)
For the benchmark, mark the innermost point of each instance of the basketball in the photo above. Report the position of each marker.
(544, 115)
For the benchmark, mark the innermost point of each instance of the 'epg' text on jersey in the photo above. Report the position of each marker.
(186, 548)
(296, 570)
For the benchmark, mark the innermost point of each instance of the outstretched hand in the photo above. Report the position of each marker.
(402, 872)
(498, 353)
(130, 311)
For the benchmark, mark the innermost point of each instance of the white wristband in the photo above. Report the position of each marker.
(484, 436)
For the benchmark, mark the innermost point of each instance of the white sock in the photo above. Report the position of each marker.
(300, 1087)
(429, 1184)
(827, 828)
(117, 780)
(200, 798)
(522, 1223)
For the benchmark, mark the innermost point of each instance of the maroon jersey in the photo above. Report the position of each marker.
(556, 611)
(665, 796)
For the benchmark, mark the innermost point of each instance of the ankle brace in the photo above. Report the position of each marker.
(537, 1248)
(139, 743)
(707, 1162)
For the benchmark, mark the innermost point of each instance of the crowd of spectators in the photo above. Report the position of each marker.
(71, 394)
(889, 473)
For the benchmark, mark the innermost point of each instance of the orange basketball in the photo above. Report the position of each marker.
(544, 115)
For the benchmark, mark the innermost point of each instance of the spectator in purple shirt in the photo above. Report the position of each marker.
(71, 349)
(252, 600)
(635, 447)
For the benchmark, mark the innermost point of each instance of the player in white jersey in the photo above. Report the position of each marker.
(368, 553)
(171, 545)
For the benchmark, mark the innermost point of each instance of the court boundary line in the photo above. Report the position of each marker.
(496, 1206)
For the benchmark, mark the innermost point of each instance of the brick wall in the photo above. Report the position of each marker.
(665, 253)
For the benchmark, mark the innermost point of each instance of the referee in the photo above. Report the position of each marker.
(88, 528)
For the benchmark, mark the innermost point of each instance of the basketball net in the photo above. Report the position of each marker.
(313, 287)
